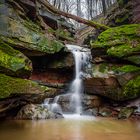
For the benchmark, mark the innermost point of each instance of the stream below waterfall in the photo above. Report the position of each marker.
(70, 129)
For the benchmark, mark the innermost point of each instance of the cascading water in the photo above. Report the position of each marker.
(82, 57)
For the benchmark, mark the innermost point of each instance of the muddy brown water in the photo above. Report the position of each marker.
(70, 129)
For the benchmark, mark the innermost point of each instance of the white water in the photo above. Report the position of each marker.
(82, 57)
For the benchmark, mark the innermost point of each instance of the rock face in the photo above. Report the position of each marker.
(36, 112)
(90, 103)
(13, 62)
(115, 76)
(23, 34)
(31, 46)
(16, 86)
(120, 41)
(127, 11)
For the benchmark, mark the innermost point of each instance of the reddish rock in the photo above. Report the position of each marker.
(50, 76)
(108, 87)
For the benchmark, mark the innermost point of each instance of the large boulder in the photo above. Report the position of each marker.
(117, 82)
(36, 111)
(120, 42)
(13, 62)
(24, 34)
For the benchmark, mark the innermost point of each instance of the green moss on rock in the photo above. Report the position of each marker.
(24, 34)
(117, 70)
(132, 89)
(10, 85)
(119, 41)
(127, 68)
(134, 59)
(13, 62)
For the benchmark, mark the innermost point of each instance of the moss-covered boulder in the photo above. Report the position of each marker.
(119, 41)
(26, 35)
(109, 69)
(132, 88)
(13, 62)
(111, 88)
(118, 82)
(15, 86)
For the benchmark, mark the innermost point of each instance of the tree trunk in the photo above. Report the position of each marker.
(76, 18)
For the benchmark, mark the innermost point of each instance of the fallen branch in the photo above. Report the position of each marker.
(51, 8)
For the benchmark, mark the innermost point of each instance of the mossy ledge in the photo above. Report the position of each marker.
(16, 86)
(13, 62)
(119, 41)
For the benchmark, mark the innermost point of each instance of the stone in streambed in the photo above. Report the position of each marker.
(125, 112)
(36, 112)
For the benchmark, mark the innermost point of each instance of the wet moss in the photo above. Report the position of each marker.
(98, 25)
(126, 69)
(132, 88)
(122, 50)
(10, 85)
(119, 41)
(134, 59)
(28, 35)
(12, 62)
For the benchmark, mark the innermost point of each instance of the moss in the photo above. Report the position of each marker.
(123, 18)
(132, 88)
(98, 25)
(122, 2)
(119, 41)
(28, 35)
(134, 59)
(13, 62)
(103, 67)
(10, 85)
(122, 50)
(127, 68)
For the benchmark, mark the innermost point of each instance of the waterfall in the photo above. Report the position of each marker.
(82, 57)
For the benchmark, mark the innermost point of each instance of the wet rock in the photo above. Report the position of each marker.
(88, 102)
(63, 61)
(10, 86)
(105, 112)
(117, 41)
(91, 112)
(108, 87)
(13, 62)
(25, 35)
(36, 112)
(125, 112)
(91, 101)
(119, 84)
(125, 12)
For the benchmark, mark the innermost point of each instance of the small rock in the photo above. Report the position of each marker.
(91, 112)
(105, 112)
(125, 113)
